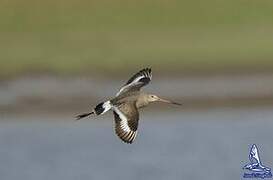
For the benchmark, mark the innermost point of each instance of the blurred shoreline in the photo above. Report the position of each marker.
(51, 95)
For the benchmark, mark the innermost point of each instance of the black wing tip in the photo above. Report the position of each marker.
(128, 138)
(148, 69)
(126, 141)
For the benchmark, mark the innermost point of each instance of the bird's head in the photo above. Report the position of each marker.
(155, 98)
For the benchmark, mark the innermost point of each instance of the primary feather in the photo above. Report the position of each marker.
(137, 81)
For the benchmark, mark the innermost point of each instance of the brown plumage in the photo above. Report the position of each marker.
(126, 104)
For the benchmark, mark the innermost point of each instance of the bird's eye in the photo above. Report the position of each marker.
(152, 96)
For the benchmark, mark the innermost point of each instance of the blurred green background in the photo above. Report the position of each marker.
(70, 37)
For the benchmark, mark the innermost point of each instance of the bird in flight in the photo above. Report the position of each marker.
(126, 103)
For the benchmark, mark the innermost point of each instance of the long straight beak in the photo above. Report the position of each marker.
(169, 102)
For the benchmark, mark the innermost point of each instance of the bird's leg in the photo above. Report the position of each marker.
(78, 117)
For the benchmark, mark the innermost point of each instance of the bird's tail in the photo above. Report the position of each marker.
(101, 108)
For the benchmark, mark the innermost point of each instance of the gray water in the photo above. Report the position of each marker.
(208, 144)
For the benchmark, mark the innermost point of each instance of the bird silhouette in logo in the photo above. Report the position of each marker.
(255, 164)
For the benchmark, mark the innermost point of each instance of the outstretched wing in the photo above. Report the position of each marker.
(136, 82)
(126, 121)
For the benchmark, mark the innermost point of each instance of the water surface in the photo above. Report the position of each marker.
(208, 144)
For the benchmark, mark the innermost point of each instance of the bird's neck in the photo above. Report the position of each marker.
(142, 101)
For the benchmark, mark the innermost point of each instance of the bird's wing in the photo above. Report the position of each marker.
(137, 81)
(126, 121)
